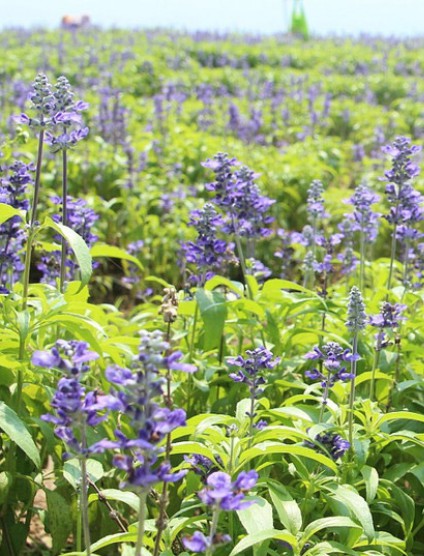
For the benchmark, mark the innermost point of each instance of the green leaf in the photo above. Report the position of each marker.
(72, 471)
(213, 310)
(129, 498)
(266, 448)
(398, 415)
(192, 448)
(327, 523)
(287, 509)
(60, 522)
(113, 252)
(6, 481)
(258, 517)
(217, 281)
(276, 284)
(255, 538)
(18, 433)
(356, 506)
(78, 246)
(370, 476)
(7, 212)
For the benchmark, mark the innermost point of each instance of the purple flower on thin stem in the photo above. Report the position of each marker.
(208, 254)
(75, 409)
(221, 494)
(405, 202)
(251, 372)
(237, 193)
(135, 397)
(356, 321)
(14, 181)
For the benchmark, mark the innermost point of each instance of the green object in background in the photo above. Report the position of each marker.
(299, 25)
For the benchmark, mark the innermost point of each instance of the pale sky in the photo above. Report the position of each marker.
(399, 17)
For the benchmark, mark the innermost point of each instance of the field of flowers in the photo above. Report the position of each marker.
(212, 271)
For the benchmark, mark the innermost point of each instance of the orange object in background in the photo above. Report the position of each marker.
(75, 22)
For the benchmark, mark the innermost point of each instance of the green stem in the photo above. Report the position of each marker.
(84, 496)
(141, 522)
(352, 389)
(362, 262)
(242, 259)
(392, 257)
(251, 418)
(214, 525)
(325, 397)
(374, 367)
(30, 239)
(64, 219)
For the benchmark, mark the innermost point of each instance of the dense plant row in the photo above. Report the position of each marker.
(239, 371)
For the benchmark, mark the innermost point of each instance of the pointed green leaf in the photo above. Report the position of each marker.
(257, 517)
(213, 310)
(269, 534)
(60, 522)
(78, 246)
(327, 523)
(7, 212)
(356, 506)
(113, 252)
(287, 509)
(15, 429)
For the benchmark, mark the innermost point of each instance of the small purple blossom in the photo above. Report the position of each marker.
(333, 358)
(221, 492)
(333, 444)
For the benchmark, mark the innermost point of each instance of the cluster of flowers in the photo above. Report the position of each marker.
(13, 186)
(208, 254)
(251, 372)
(221, 493)
(406, 203)
(333, 444)
(75, 409)
(332, 357)
(55, 113)
(134, 394)
(245, 214)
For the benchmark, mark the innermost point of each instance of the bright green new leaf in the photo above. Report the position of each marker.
(78, 246)
(7, 212)
(213, 310)
(111, 251)
(16, 430)
(261, 536)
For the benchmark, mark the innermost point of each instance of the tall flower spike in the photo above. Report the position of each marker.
(356, 317)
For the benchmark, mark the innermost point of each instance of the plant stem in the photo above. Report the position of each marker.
(362, 261)
(113, 514)
(392, 257)
(64, 218)
(163, 503)
(251, 417)
(141, 522)
(241, 259)
(30, 239)
(375, 365)
(214, 526)
(325, 397)
(84, 494)
(352, 389)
